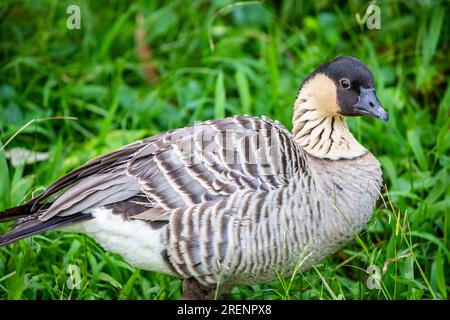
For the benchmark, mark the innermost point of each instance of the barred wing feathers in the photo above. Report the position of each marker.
(203, 165)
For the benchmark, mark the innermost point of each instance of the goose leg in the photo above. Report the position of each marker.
(193, 290)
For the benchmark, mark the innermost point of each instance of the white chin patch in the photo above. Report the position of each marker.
(134, 240)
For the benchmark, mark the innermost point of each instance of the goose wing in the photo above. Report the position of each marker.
(179, 168)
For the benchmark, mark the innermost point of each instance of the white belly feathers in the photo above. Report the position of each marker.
(134, 240)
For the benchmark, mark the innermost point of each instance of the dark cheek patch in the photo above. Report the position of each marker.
(346, 100)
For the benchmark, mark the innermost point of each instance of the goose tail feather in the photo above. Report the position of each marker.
(29, 224)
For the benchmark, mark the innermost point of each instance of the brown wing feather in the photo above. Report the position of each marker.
(213, 160)
(179, 168)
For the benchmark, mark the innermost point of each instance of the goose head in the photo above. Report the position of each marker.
(338, 89)
(344, 87)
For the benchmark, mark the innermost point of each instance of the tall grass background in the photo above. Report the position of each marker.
(139, 68)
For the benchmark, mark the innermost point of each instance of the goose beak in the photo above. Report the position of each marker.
(368, 104)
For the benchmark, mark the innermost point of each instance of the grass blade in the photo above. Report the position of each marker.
(219, 97)
(244, 91)
(417, 149)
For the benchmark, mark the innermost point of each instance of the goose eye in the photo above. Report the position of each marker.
(345, 83)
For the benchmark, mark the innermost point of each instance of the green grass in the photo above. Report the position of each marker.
(260, 55)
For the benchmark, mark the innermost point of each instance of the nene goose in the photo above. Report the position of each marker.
(233, 201)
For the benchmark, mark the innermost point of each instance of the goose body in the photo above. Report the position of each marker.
(235, 201)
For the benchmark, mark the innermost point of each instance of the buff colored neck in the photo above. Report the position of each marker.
(318, 128)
